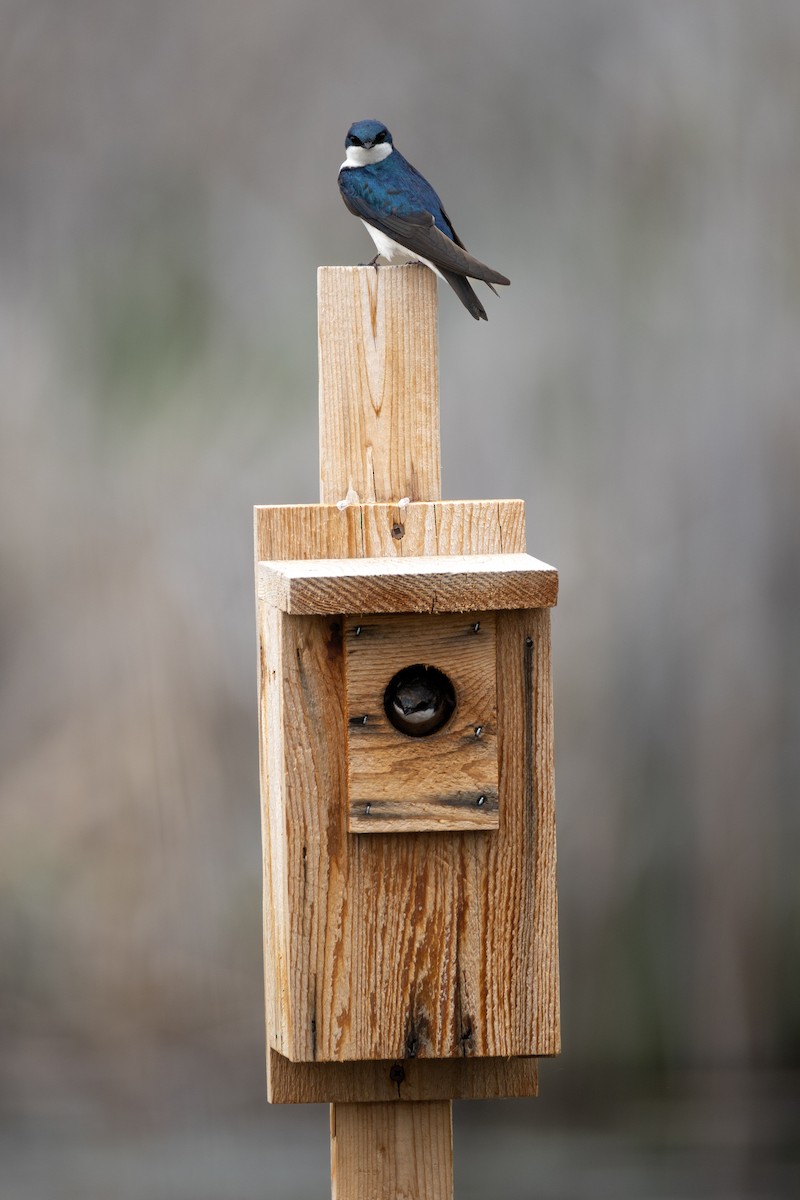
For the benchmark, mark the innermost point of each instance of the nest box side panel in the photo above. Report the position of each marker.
(307, 858)
(402, 946)
(270, 702)
(520, 864)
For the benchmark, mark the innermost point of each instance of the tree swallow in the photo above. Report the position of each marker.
(404, 216)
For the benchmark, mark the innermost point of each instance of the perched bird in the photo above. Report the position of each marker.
(404, 216)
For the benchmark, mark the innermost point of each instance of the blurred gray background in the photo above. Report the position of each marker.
(167, 190)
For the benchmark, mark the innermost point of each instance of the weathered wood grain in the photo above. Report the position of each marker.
(433, 584)
(444, 527)
(414, 1158)
(484, 986)
(324, 531)
(444, 782)
(393, 1081)
(378, 384)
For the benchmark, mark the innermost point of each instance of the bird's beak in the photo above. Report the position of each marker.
(367, 145)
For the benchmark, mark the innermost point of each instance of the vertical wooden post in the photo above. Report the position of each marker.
(378, 384)
(379, 441)
(388, 1151)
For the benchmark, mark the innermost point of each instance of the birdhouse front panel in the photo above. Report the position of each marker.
(426, 942)
(421, 700)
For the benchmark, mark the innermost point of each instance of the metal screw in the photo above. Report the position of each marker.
(476, 627)
(529, 640)
(478, 730)
(358, 631)
(481, 801)
(367, 809)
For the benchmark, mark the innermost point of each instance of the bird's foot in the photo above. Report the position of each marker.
(373, 262)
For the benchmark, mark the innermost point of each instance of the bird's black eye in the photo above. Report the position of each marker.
(353, 140)
(381, 137)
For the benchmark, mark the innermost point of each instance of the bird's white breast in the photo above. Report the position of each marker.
(391, 250)
(387, 247)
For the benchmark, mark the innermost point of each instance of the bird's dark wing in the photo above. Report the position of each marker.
(418, 233)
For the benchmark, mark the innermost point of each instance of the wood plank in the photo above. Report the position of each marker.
(378, 384)
(393, 1081)
(444, 782)
(432, 584)
(521, 864)
(487, 987)
(392, 1150)
(443, 527)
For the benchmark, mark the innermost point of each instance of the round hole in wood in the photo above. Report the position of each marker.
(419, 700)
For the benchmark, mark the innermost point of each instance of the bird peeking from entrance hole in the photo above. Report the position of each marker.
(404, 216)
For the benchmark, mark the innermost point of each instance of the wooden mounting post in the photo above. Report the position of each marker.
(379, 442)
(378, 384)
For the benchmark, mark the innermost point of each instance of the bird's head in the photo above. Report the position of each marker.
(367, 142)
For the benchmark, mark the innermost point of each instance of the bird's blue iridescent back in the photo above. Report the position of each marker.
(393, 186)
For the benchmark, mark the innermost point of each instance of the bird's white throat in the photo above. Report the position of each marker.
(359, 156)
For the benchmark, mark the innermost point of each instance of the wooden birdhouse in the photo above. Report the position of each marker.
(406, 761)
